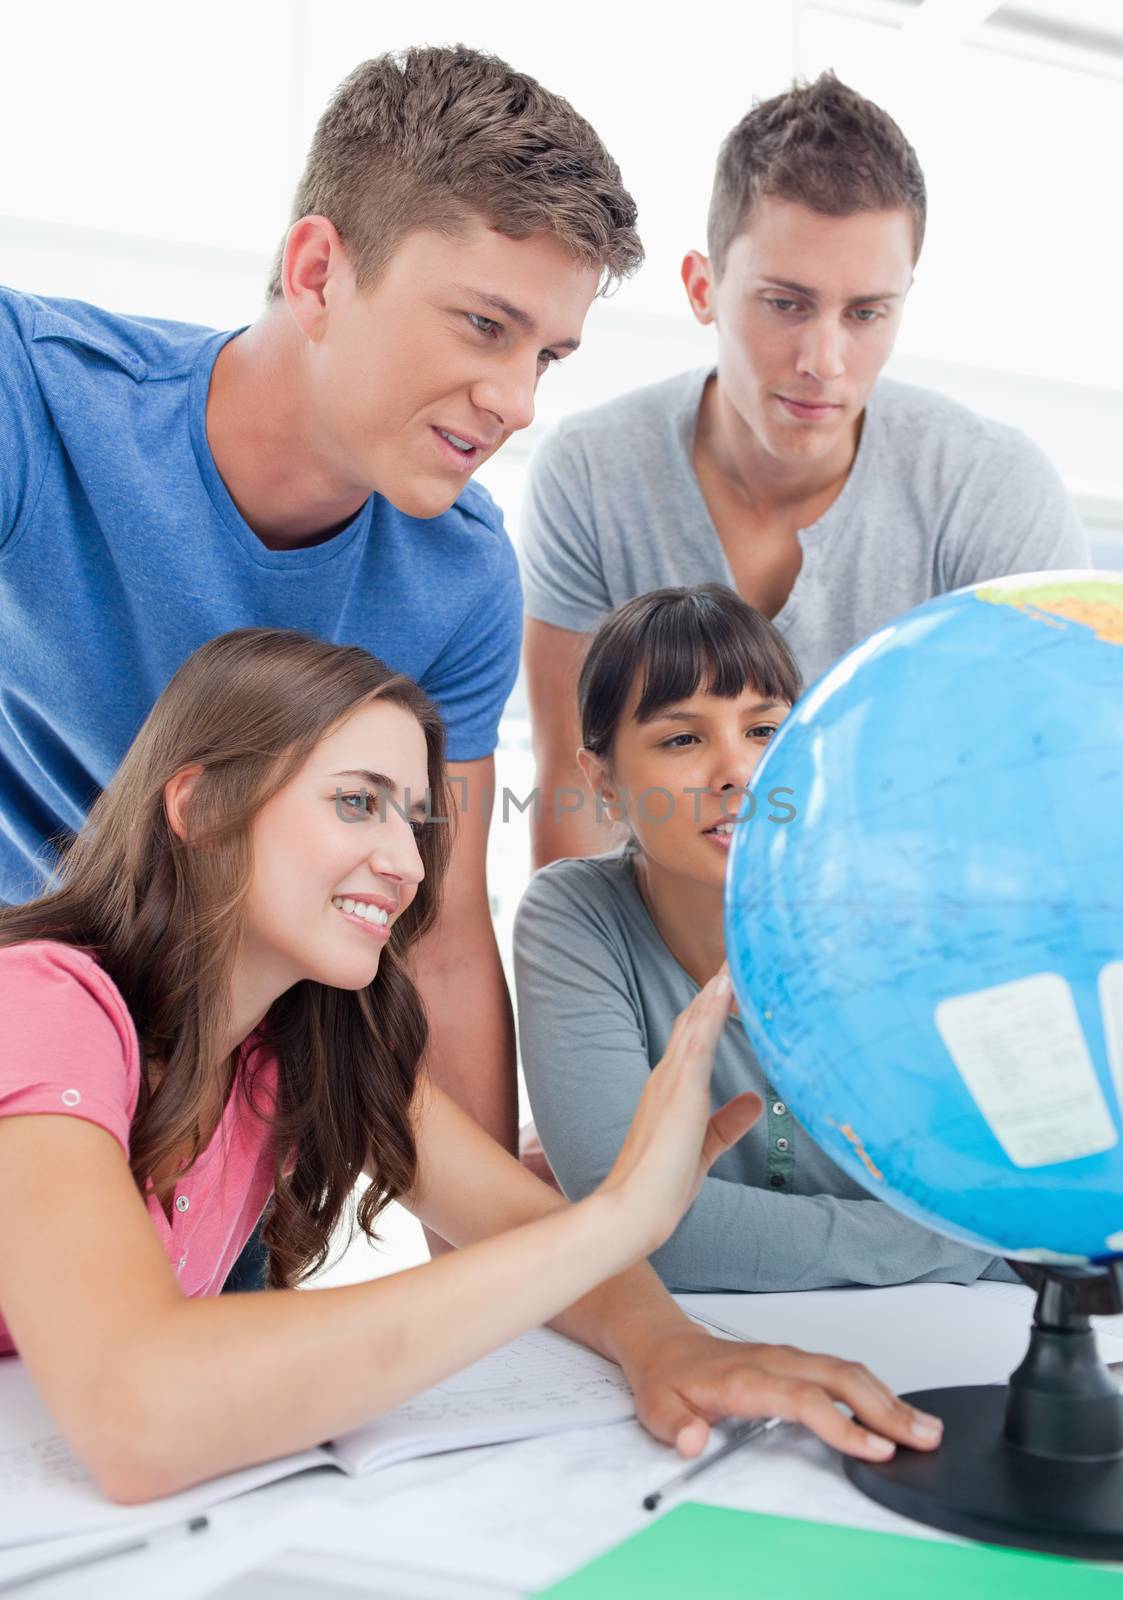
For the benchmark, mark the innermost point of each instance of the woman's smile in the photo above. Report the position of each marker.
(370, 918)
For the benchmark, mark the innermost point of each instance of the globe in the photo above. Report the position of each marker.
(924, 918)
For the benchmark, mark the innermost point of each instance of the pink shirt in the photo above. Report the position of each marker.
(68, 1046)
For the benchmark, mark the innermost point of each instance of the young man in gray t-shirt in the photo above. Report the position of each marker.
(830, 498)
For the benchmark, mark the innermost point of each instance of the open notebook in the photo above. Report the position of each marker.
(540, 1384)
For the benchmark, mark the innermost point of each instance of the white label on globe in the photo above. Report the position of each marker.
(1111, 1005)
(1021, 1051)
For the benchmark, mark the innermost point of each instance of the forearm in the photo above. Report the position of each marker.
(259, 1376)
(471, 1049)
(624, 1316)
(616, 1317)
(737, 1237)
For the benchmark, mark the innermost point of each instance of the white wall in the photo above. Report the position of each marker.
(151, 153)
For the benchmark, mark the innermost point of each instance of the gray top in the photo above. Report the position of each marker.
(598, 993)
(937, 497)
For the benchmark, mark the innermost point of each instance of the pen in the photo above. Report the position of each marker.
(195, 1525)
(739, 1435)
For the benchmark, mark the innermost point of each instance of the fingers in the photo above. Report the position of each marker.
(776, 1380)
(713, 997)
(761, 1393)
(688, 1059)
(668, 1417)
(800, 1400)
(727, 1125)
(704, 1018)
(872, 1401)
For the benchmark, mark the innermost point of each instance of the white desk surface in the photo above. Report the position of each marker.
(504, 1520)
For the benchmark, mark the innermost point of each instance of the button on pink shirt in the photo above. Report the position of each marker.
(68, 1046)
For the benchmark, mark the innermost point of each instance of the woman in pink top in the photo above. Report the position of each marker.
(213, 1010)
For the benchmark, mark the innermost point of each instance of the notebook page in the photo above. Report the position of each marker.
(46, 1492)
(540, 1383)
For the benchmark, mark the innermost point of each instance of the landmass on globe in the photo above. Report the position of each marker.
(1098, 606)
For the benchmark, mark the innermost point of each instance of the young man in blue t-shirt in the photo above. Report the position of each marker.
(161, 483)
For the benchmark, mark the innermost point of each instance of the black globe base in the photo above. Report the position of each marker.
(978, 1485)
(1037, 1462)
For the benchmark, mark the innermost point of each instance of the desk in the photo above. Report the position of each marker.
(507, 1519)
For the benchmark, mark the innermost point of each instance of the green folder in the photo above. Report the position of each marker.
(698, 1552)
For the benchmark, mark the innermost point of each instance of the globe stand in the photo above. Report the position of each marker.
(1037, 1463)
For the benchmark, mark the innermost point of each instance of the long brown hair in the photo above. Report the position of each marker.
(163, 917)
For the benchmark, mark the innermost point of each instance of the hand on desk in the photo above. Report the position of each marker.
(684, 1382)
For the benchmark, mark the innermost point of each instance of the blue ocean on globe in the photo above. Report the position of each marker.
(928, 957)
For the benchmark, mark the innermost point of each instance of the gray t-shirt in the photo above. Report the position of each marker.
(598, 993)
(937, 497)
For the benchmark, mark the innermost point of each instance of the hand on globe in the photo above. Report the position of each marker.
(674, 1140)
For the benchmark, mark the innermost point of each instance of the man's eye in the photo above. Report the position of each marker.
(673, 742)
(546, 358)
(783, 305)
(867, 314)
(485, 325)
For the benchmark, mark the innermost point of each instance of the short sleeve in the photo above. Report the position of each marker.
(1012, 515)
(472, 678)
(25, 424)
(70, 1046)
(563, 576)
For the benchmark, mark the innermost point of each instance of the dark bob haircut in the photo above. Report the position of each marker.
(681, 641)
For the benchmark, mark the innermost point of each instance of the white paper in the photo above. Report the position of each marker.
(539, 1384)
(1021, 1051)
(46, 1493)
(542, 1383)
(526, 1515)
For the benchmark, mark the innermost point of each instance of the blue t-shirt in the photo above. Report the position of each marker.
(121, 552)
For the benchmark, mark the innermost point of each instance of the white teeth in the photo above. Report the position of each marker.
(460, 444)
(361, 908)
(721, 827)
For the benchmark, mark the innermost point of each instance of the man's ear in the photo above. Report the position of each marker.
(698, 278)
(177, 794)
(314, 264)
(599, 779)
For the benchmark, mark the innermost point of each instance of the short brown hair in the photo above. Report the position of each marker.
(822, 145)
(428, 137)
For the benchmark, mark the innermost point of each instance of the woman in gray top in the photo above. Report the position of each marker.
(680, 692)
